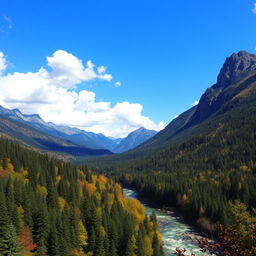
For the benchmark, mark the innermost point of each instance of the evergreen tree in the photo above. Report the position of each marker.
(10, 245)
(4, 220)
(130, 249)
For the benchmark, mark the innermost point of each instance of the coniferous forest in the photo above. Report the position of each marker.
(48, 207)
(202, 170)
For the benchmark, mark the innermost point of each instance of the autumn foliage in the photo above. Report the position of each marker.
(48, 207)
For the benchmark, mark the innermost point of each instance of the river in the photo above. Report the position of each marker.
(172, 229)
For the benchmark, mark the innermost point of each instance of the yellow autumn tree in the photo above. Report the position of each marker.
(82, 235)
(148, 246)
(62, 203)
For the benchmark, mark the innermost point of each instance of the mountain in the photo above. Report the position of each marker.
(134, 139)
(80, 137)
(233, 94)
(206, 157)
(74, 135)
(12, 128)
(232, 79)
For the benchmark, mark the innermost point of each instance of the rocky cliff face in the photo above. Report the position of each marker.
(236, 67)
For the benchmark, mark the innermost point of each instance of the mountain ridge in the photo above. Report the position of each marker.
(76, 136)
(134, 139)
(198, 120)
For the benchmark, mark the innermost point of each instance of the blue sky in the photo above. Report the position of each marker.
(164, 53)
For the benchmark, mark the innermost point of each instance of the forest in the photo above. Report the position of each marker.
(49, 207)
(202, 170)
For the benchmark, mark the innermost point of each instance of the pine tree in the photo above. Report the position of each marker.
(41, 249)
(92, 239)
(53, 245)
(4, 220)
(41, 223)
(113, 250)
(130, 249)
(99, 242)
(10, 245)
(156, 246)
(140, 245)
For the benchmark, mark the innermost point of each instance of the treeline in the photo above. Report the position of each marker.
(213, 163)
(48, 207)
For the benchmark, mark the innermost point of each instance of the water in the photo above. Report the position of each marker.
(172, 229)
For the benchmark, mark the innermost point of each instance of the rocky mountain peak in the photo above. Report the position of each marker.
(235, 67)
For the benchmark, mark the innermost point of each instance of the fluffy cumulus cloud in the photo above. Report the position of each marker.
(68, 70)
(53, 95)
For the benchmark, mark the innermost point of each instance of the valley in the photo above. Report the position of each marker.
(176, 234)
(127, 128)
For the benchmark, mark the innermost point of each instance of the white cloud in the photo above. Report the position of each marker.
(53, 95)
(106, 77)
(68, 70)
(3, 63)
(195, 103)
(118, 84)
(101, 69)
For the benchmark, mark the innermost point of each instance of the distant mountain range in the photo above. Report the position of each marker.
(34, 131)
(134, 139)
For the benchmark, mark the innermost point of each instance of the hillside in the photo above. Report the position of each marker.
(206, 156)
(48, 207)
(73, 135)
(33, 138)
(97, 142)
(216, 102)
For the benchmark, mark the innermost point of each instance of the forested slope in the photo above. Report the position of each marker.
(48, 207)
(205, 157)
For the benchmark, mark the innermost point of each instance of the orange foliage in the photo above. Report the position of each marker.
(91, 188)
(58, 178)
(26, 239)
(81, 175)
(94, 178)
(118, 189)
(102, 181)
(9, 171)
(10, 168)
